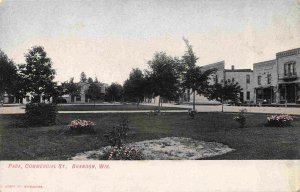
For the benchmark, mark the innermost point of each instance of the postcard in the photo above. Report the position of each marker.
(129, 95)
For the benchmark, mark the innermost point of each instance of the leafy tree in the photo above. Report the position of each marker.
(134, 86)
(58, 91)
(83, 77)
(8, 75)
(194, 78)
(38, 72)
(94, 92)
(163, 76)
(114, 92)
(90, 80)
(71, 88)
(224, 91)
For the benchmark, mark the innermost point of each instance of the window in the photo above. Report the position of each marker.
(259, 80)
(247, 79)
(248, 95)
(269, 78)
(289, 68)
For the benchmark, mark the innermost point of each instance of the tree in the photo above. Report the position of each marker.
(114, 92)
(163, 76)
(134, 86)
(94, 92)
(8, 75)
(90, 80)
(224, 91)
(194, 78)
(83, 77)
(71, 88)
(38, 72)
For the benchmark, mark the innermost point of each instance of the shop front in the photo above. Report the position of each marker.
(289, 93)
(265, 95)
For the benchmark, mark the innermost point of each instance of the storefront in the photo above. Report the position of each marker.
(265, 95)
(289, 93)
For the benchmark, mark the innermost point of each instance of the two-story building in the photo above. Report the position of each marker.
(265, 82)
(288, 68)
(245, 79)
(243, 76)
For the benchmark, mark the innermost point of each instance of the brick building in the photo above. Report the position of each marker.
(245, 79)
(288, 70)
(265, 82)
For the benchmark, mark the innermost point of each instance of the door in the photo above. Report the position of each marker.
(291, 93)
(242, 97)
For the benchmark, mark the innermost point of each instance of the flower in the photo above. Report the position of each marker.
(280, 120)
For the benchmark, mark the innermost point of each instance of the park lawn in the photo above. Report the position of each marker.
(123, 107)
(53, 142)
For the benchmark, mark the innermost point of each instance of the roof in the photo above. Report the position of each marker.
(272, 62)
(288, 53)
(238, 70)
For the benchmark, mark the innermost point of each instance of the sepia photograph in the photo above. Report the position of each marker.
(96, 84)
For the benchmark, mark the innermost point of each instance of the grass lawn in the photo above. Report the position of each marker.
(53, 143)
(123, 107)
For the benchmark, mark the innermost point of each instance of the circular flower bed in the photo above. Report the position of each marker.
(168, 148)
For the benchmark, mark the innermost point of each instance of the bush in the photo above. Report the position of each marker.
(81, 126)
(118, 135)
(40, 114)
(123, 153)
(279, 121)
(192, 113)
(241, 118)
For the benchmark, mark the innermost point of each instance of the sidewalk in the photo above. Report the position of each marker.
(218, 108)
(139, 111)
(199, 108)
(21, 110)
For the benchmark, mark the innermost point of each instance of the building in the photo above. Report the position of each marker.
(265, 82)
(243, 76)
(288, 70)
(245, 79)
(82, 98)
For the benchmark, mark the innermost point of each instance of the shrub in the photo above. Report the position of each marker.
(118, 135)
(123, 153)
(241, 118)
(40, 114)
(81, 126)
(279, 120)
(192, 113)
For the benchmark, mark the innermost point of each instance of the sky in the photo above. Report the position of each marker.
(108, 38)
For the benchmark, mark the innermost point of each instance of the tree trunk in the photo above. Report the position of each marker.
(222, 105)
(194, 100)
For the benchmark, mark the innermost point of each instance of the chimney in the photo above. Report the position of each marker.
(232, 67)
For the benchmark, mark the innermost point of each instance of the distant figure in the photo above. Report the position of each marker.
(2, 102)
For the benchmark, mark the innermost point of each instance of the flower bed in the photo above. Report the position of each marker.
(279, 120)
(168, 148)
(81, 126)
(123, 153)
